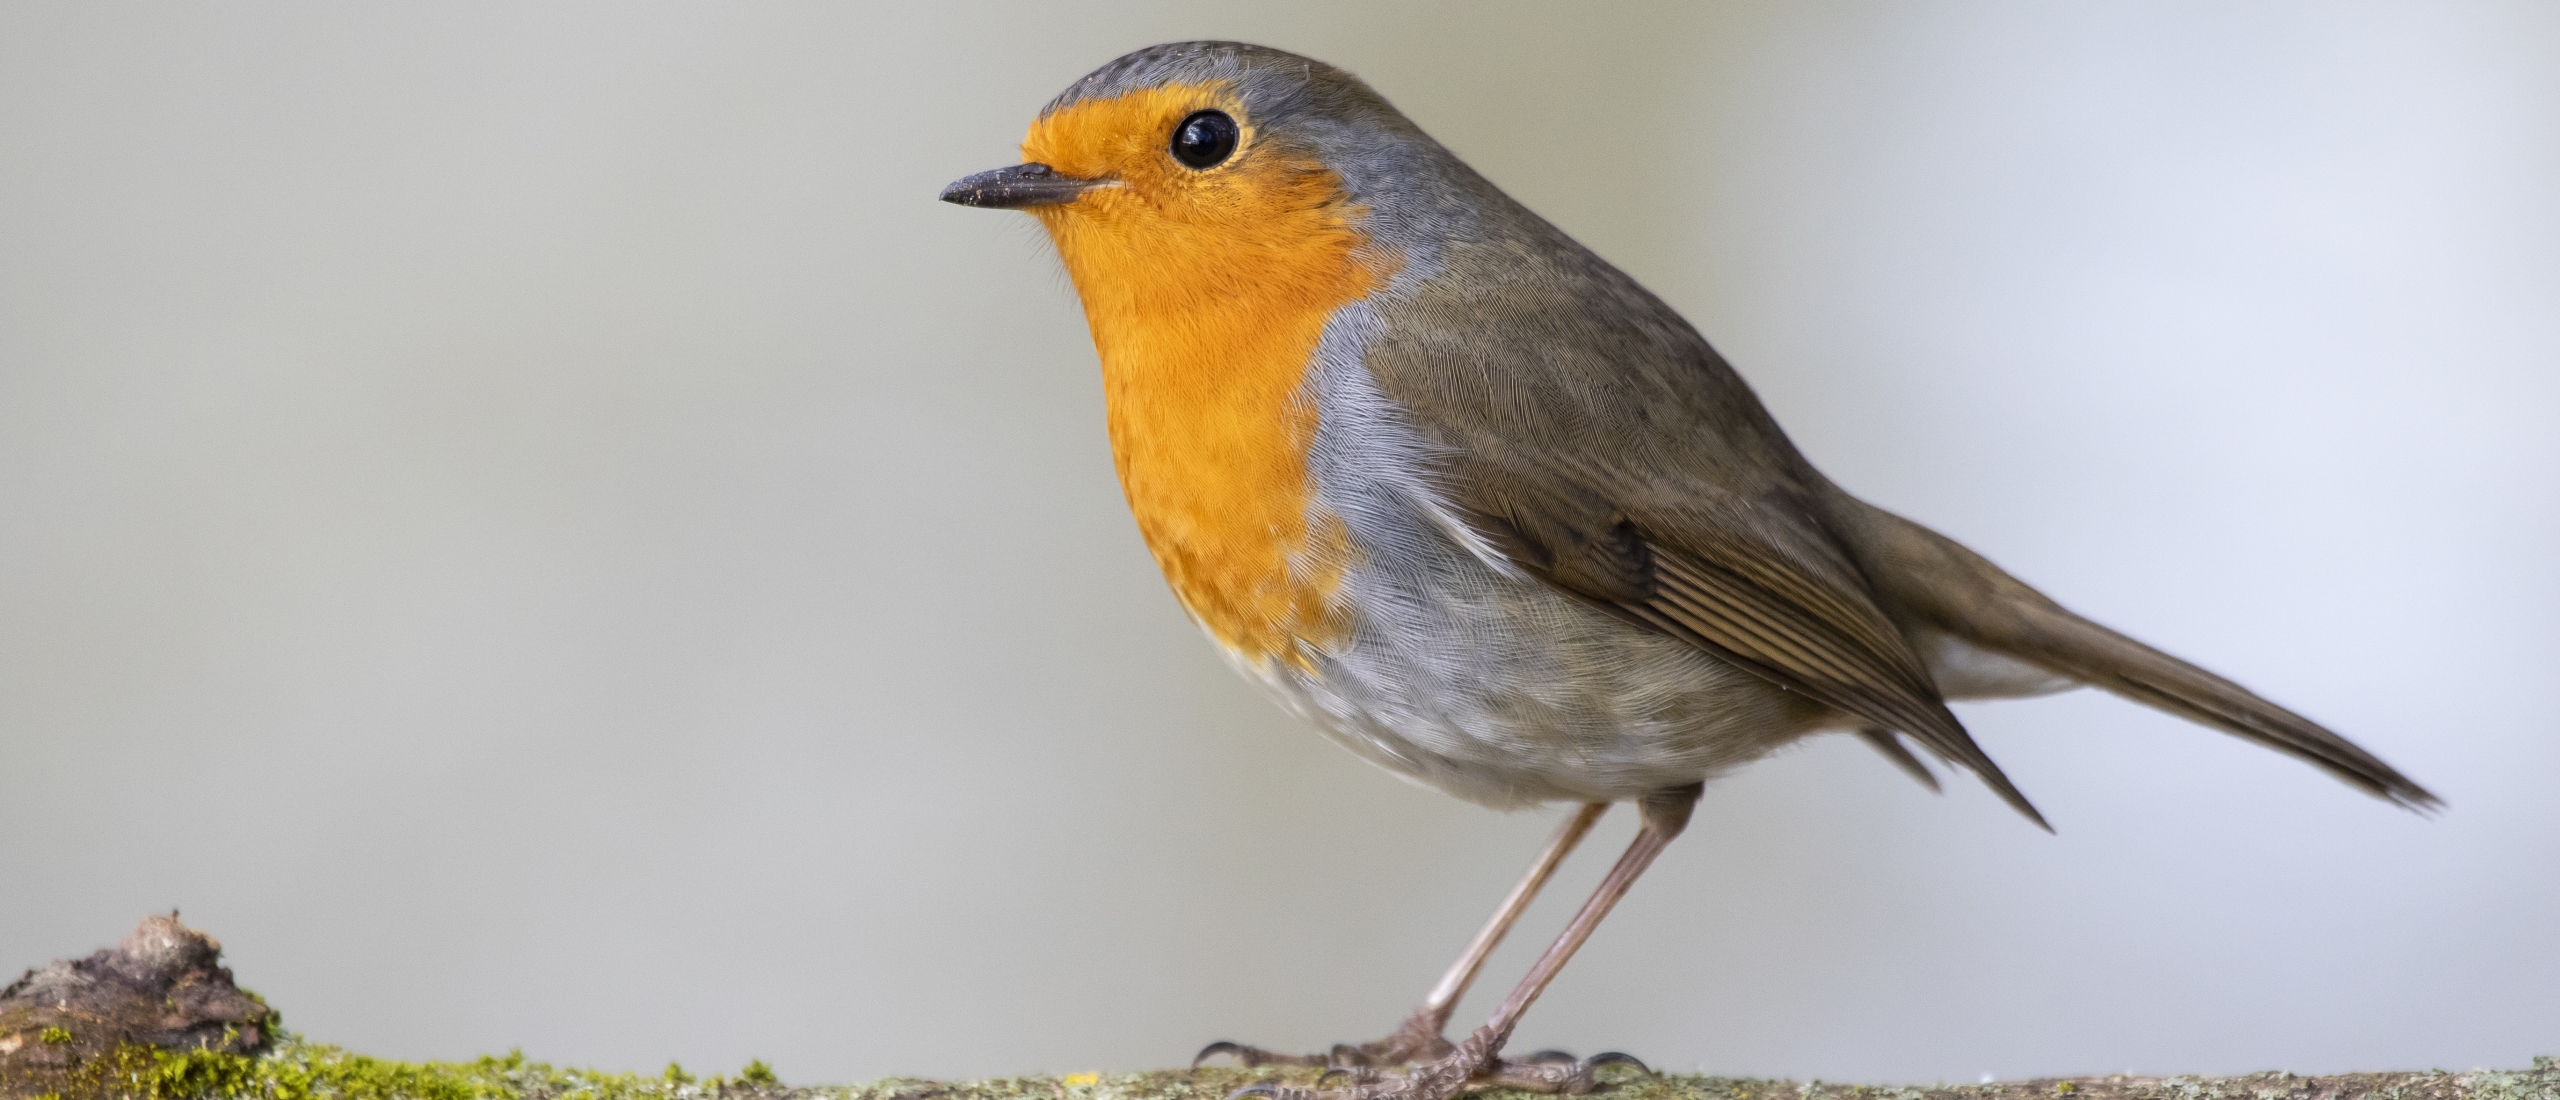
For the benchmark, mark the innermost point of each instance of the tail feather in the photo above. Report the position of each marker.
(2094, 655)
(1884, 741)
(1959, 591)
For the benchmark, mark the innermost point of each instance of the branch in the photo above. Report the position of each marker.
(158, 1018)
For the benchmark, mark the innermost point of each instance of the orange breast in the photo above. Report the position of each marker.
(1207, 293)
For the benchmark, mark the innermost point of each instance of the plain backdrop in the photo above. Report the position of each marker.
(529, 523)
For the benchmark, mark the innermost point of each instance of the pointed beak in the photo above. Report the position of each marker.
(1019, 186)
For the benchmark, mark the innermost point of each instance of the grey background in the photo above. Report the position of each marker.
(530, 524)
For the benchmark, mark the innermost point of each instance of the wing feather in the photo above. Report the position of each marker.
(1840, 658)
(1751, 605)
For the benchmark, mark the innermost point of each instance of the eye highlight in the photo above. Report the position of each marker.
(1205, 139)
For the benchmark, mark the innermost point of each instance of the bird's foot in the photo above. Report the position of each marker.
(1473, 1064)
(1417, 1041)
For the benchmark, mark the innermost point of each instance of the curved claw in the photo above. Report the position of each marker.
(1550, 1058)
(1616, 1058)
(1222, 1046)
(1330, 1073)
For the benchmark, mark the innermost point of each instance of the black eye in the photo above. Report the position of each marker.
(1204, 139)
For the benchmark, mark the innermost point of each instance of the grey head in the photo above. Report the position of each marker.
(1413, 192)
(1276, 85)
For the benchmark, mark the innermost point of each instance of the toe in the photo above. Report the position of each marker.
(1274, 1090)
(1616, 1058)
(1251, 1057)
(1241, 1052)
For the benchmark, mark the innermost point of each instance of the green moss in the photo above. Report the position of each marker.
(54, 1037)
(297, 1070)
(124, 1071)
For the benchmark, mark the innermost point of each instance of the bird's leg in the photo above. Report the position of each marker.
(1477, 1060)
(1420, 1036)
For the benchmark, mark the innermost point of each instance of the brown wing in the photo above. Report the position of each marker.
(1747, 602)
(1582, 421)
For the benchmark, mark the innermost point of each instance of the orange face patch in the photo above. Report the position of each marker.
(1206, 292)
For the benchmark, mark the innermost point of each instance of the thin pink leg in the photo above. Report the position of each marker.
(1666, 813)
(1462, 973)
(1420, 1036)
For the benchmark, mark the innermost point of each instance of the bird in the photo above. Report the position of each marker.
(1492, 516)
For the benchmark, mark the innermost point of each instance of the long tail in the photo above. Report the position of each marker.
(1956, 590)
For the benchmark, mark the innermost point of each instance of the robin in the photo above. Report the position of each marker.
(1491, 515)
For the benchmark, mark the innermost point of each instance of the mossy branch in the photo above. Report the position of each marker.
(158, 1018)
(298, 1070)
